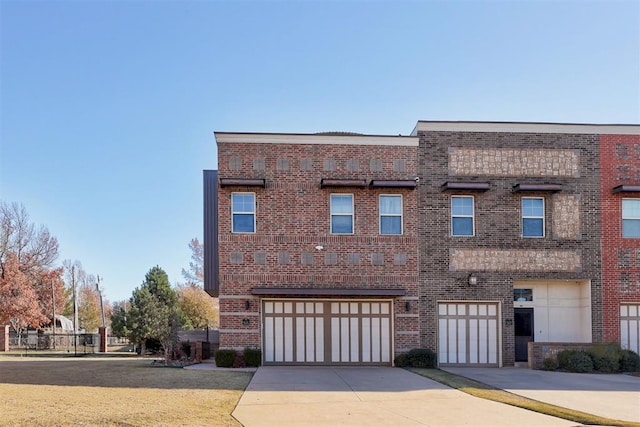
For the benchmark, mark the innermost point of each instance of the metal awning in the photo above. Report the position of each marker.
(242, 182)
(470, 186)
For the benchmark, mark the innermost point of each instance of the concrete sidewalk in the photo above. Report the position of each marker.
(369, 396)
(608, 395)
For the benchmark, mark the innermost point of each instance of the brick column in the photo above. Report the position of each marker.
(103, 339)
(4, 338)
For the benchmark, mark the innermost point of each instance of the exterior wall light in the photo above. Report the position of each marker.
(472, 279)
(407, 306)
(247, 304)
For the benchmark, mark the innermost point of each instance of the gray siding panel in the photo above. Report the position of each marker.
(211, 266)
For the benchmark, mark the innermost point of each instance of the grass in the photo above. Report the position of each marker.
(484, 391)
(114, 391)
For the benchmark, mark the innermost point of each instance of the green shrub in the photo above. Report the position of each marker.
(550, 364)
(605, 357)
(563, 357)
(576, 361)
(401, 360)
(225, 358)
(252, 356)
(629, 361)
(416, 358)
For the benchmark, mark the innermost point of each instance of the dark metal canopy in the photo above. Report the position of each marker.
(389, 183)
(242, 182)
(473, 186)
(537, 187)
(626, 189)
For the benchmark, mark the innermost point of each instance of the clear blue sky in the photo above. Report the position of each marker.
(108, 108)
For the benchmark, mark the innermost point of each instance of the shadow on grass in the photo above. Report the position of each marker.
(127, 372)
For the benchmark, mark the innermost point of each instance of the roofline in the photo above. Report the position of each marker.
(311, 138)
(527, 127)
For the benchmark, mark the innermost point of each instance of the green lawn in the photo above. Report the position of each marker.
(114, 391)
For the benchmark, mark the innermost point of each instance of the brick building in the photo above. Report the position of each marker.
(330, 251)
(620, 207)
(317, 246)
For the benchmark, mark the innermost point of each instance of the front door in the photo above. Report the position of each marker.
(523, 319)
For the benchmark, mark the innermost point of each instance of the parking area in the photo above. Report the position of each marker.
(371, 396)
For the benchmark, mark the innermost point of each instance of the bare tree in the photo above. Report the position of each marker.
(35, 249)
(195, 273)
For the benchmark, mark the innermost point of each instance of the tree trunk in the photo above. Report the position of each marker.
(143, 347)
(167, 355)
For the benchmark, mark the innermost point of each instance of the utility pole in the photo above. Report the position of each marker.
(75, 311)
(99, 289)
(53, 300)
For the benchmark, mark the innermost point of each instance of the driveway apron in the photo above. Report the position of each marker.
(613, 396)
(371, 396)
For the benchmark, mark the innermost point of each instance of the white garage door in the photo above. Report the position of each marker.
(630, 326)
(327, 332)
(468, 334)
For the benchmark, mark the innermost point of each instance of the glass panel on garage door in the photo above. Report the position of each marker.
(327, 332)
(468, 334)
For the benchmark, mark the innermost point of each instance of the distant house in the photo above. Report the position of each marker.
(472, 239)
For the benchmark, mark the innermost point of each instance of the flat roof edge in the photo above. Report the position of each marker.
(293, 138)
(528, 127)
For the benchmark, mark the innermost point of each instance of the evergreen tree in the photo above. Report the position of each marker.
(153, 313)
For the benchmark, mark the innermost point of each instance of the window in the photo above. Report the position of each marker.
(532, 217)
(522, 295)
(243, 212)
(390, 214)
(342, 213)
(462, 216)
(630, 217)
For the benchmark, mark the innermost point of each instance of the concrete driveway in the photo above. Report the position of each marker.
(611, 396)
(376, 396)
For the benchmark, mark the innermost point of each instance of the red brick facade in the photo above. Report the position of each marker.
(293, 219)
(619, 165)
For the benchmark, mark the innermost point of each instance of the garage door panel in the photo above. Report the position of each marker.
(385, 340)
(630, 327)
(473, 341)
(269, 339)
(342, 332)
(468, 334)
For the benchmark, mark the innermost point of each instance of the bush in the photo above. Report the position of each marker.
(550, 364)
(575, 361)
(605, 357)
(417, 358)
(252, 356)
(225, 358)
(239, 362)
(401, 360)
(629, 361)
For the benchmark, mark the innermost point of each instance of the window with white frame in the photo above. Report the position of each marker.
(532, 217)
(630, 217)
(342, 213)
(462, 216)
(243, 212)
(390, 214)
